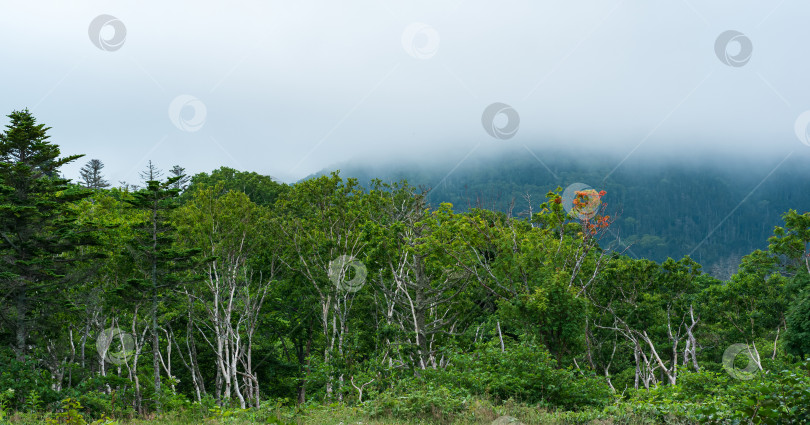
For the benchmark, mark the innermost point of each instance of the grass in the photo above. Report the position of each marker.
(477, 413)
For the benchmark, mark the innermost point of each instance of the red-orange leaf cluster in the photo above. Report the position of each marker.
(602, 222)
(588, 201)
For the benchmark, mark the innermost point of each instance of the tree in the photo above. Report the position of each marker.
(106, 300)
(38, 228)
(423, 280)
(91, 175)
(233, 232)
(797, 337)
(262, 190)
(321, 220)
(178, 171)
(159, 261)
(789, 247)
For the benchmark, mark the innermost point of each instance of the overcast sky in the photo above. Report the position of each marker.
(288, 88)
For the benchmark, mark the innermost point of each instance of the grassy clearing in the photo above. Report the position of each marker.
(478, 413)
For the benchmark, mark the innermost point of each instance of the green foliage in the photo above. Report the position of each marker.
(70, 414)
(797, 336)
(552, 313)
(524, 372)
(778, 397)
(39, 238)
(22, 379)
(33, 402)
(262, 190)
(702, 385)
(152, 247)
(5, 397)
(420, 401)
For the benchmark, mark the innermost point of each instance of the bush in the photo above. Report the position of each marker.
(70, 414)
(25, 379)
(703, 384)
(525, 373)
(779, 397)
(425, 401)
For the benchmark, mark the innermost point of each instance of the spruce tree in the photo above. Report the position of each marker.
(182, 183)
(91, 175)
(160, 262)
(38, 232)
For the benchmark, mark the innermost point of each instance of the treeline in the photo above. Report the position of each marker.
(230, 289)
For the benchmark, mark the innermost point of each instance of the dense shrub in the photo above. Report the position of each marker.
(773, 397)
(417, 400)
(25, 379)
(778, 395)
(525, 373)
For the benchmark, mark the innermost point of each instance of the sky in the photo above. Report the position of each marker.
(289, 88)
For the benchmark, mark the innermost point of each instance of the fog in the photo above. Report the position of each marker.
(289, 88)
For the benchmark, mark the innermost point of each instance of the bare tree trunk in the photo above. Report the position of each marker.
(637, 358)
(360, 389)
(500, 336)
(131, 364)
(155, 336)
(691, 341)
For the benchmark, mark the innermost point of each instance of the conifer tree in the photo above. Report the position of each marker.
(178, 171)
(38, 232)
(91, 175)
(160, 263)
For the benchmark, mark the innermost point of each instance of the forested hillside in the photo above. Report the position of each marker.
(715, 209)
(228, 297)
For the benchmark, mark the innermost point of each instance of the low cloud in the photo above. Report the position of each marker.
(289, 89)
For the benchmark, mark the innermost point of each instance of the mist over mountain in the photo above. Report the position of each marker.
(714, 208)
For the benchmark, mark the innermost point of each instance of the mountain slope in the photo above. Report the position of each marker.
(714, 211)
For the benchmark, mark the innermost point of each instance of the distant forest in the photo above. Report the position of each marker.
(715, 210)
